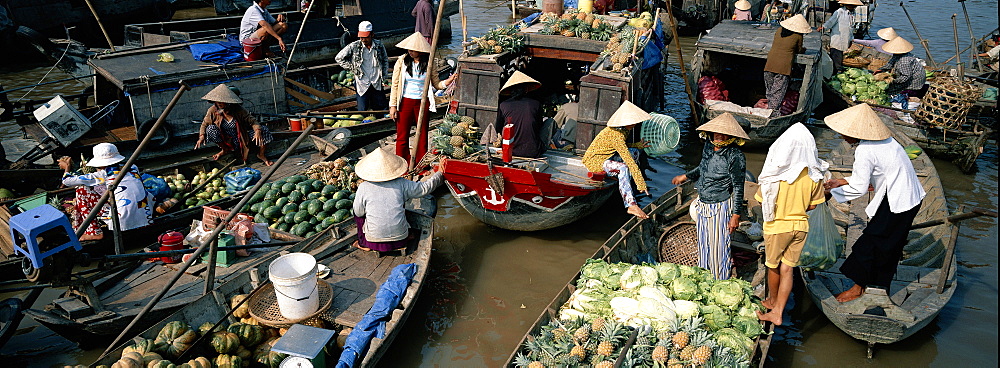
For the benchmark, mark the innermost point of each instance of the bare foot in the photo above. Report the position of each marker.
(850, 294)
(767, 304)
(217, 155)
(358, 245)
(265, 160)
(637, 212)
(89, 237)
(772, 316)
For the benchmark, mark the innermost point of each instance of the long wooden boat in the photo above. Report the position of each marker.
(735, 52)
(667, 236)
(925, 279)
(50, 16)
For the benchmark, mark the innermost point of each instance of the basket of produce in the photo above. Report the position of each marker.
(856, 62)
(455, 137)
(947, 103)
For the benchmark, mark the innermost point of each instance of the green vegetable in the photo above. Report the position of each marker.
(684, 288)
(727, 293)
(734, 340)
(340, 216)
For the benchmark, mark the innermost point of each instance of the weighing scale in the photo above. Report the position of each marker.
(304, 346)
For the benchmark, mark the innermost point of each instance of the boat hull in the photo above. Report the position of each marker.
(526, 216)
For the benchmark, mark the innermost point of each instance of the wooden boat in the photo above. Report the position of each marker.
(736, 52)
(817, 12)
(925, 278)
(49, 16)
(667, 236)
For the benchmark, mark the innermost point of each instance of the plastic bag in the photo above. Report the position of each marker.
(240, 179)
(823, 243)
(156, 186)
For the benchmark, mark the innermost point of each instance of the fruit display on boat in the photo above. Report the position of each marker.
(620, 51)
(455, 137)
(344, 78)
(498, 40)
(304, 205)
(574, 23)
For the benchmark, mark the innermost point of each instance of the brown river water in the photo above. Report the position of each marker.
(488, 286)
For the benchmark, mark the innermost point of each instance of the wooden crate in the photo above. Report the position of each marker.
(599, 98)
(479, 85)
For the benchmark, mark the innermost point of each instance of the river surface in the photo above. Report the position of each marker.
(487, 286)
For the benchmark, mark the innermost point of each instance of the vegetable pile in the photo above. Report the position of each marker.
(498, 40)
(862, 86)
(351, 120)
(180, 186)
(574, 23)
(455, 137)
(344, 78)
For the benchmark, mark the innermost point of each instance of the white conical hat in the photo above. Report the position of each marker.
(415, 42)
(897, 45)
(521, 78)
(105, 154)
(628, 114)
(742, 5)
(725, 124)
(797, 24)
(887, 33)
(380, 165)
(850, 2)
(858, 121)
(222, 93)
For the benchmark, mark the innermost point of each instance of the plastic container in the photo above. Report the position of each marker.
(552, 6)
(252, 51)
(662, 133)
(296, 124)
(586, 6)
(295, 285)
(171, 241)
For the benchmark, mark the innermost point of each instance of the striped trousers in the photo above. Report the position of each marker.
(713, 237)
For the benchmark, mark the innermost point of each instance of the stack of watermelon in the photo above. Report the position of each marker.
(344, 78)
(301, 206)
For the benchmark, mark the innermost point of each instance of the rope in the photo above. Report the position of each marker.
(66, 50)
(149, 93)
(274, 97)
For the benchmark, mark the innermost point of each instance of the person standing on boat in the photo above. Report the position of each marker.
(742, 10)
(259, 24)
(882, 171)
(369, 62)
(841, 26)
(786, 44)
(231, 127)
(134, 203)
(408, 77)
(524, 114)
(791, 183)
(720, 178)
(884, 35)
(908, 75)
(424, 12)
(379, 202)
(609, 153)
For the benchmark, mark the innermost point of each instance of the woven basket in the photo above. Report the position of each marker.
(947, 103)
(679, 244)
(876, 64)
(263, 306)
(856, 62)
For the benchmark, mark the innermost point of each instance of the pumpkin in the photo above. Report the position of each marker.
(175, 338)
(141, 346)
(249, 335)
(172, 330)
(243, 353)
(149, 357)
(241, 311)
(270, 332)
(228, 361)
(134, 356)
(270, 359)
(249, 321)
(224, 342)
(161, 364)
(206, 328)
(102, 366)
(130, 360)
(199, 362)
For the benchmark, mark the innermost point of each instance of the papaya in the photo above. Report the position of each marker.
(287, 188)
(281, 202)
(330, 205)
(300, 217)
(328, 190)
(295, 197)
(340, 215)
(295, 179)
(315, 207)
(272, 212)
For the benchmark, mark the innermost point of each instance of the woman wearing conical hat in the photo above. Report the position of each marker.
(880, 163)
(404, 96)
(741, 10)
(841, 26)
(884, 35)
(609, 153)
(720, 177)
(786, 44)
(908, 75)
(231, 127)
(378, 204)
(523, 113)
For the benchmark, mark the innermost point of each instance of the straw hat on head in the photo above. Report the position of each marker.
(850, 2)
(725, 124)
(797, 24)
(897, 45)
(858, 121)
(415, 42)
(628, 114)
(222, 93)
(105, 154)
(887, 33)
(380, 165)
(520, 78)
(742, 5)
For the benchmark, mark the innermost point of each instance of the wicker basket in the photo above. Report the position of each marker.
(947, 103)
(679, 244)
(856, 62)
(876, 65)
(263, 306)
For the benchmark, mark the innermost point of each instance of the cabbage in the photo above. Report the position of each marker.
(667, 272)
(637, 276)
(569, 314)
(625, 309)
(749, 326)
(586, 300)
(654, 309)
(835, 84)
(657, 294)
(685, 309)
(734, 340)
(608, 274)
(687, 271)
(715, 317)
(853, 72)
(842, 77)
(684, 288)
(848, 88)
(728, 294)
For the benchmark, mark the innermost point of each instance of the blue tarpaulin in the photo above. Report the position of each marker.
(653, 53)
(222, 53)
(373, 323)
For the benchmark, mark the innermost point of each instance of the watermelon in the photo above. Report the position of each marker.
(272, 212)
(309, 234)
(284, 226)
(351, 197)
(301, 217)
(313, 195)
(320, 227)
(295, 197)
(255, 208)
(330, 205)
(318, 185)
(265, 204)
(341, 194)
(287, 188)
(289, 217)
(259, 196)
(272, 194)
(258, 218)
(281, 202)
(315, 207)
(344, 203)
(300, 229)
(289, 207)
(294, 179)
(329, 221)
(322, 215)
(328, 190)
(313, 221)
(340, 215)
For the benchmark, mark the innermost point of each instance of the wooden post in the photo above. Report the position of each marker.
(427, 83)
(923, 42)
(297, 36)
(680, 62)
(949, 253)
(972, 38)
(958, 52)
(461, 14)
(101, 25)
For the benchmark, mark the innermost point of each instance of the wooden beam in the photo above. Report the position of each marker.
(562, 54)
(301, 96)
(315, 92)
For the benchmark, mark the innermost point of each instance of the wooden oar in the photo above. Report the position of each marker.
(975, 212)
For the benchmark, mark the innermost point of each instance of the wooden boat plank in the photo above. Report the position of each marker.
(301, 96)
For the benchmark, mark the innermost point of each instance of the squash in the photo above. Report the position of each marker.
(129, 360)
(228, 361)
(174, 338)
(241, 311)
(270, 359)
(141, 346)
(205, 327)
(270, 332)
(199, 362)
(149, 357)
(161, 364)
(249, 321)
(249, 335)
(224, 342)
(243, 353)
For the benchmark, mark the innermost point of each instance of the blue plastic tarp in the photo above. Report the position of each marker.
(222, 53)
(373, 323)
(652, 55)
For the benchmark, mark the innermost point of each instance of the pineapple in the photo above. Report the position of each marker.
(454, 118)
(497, 49)
(610, 335)
(458, 130)
(681, 340)
(459, 153)
(660, 354)
(701, 355)
(581, 16)
(549, 361)
(536, 364)
(578, 353)
(590, 19)
(585, 35)
(617, 67)
(468, 120)
(582, 334)
(674, 363)
(569, 33)
(596, 23)
(597, 324)
(560, 333)
(686, 353)
(605, 348)
(604, 364)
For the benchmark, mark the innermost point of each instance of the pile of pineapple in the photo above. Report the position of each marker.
(498, 40)
(455, 137)
(620, 48)
(574, 23)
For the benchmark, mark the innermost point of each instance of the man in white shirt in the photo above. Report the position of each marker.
(259, 24)
(369, 62)
(880, 163)
(841, 26)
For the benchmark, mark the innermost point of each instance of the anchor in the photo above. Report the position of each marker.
(494, 199)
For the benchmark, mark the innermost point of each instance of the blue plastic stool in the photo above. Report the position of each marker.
(29, 225)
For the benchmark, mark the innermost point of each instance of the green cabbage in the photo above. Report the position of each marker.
(848, 88)
(685, 309)
(728, 294)
(715, 317)
(749, 326)
(734, 340)
(609, 274)
(687, 271)
(637, 276)
(843, 77)
(684, 288)
(667, 272)
(836, 84)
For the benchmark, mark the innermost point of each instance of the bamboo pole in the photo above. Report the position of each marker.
(461, 14)
(972, 38)
(958, 51)
(101, 25)
(427, 84)
(680, 62)
(923, 42)
(299, 35)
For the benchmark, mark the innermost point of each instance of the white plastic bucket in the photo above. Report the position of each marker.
(294, 278)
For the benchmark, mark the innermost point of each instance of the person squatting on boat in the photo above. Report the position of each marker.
(908, 76)
(719, 178)
(369, 62)
(524, 114)
(884, 35)
(229, 125)
(881, 166)
(404, 96)
(379, 203)
(786, 44)
(258, 23)
(791, 183)
(609, 153)
(134, 203)
(841, 26)
(742, 10)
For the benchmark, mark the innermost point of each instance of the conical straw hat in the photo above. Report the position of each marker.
(725, 124)
(628, 114)
(897, 45)
(887, 33)
(858, 121)
(742, 5)
(520, 78)
(380, 166)
(415, 42)
(797, 24)
(850, 2)
(222, 93)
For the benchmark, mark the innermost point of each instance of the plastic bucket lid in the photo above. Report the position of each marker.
(662, 132)
(294, 279)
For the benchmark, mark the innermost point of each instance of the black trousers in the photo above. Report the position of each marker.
(838, 60)
(877, 252)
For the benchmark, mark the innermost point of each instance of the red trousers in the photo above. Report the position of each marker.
(408, 112)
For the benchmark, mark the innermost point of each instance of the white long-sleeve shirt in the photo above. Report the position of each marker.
(884, 165)
(381, 204)
(841, 26)
(135, 205)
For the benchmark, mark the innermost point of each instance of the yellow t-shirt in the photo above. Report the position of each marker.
(793, 200)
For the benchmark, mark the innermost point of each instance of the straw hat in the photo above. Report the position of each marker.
(380, 166)
(850, 2)
(725, 124)
(887, 34)
(415, 42)
(105, 154)
(742, 5)
(858, 121)
(628, 114)
(897, 45)
(797, 24)
(520, 78)
(364, 29)
(222, 93)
